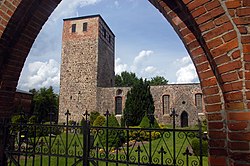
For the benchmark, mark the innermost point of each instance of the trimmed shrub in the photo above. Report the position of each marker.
(33, 119)
(141, 135)
(122, 122)
(72, 122)
(99, 121)
(145, 123)
(18, 119)
(93, 116)
(196, 147)
(115, 137)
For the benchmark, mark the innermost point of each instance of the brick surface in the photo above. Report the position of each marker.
(233, 4)
(240, 116)
(237, 126)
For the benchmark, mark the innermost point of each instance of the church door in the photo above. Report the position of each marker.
(184, 119)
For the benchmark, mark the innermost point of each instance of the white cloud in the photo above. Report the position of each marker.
(150, 69)
(68, 8)
(41, 74)
(119, 67)
(183, 61)
(142, 55)
(186, 74)
(140, 59)
(116, 3)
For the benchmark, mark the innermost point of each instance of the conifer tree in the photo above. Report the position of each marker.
(139, 103)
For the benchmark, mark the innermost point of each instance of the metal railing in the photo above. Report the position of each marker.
(74, 144)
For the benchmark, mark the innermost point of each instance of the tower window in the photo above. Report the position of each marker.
(85, 26)
(118, 105)
(165, 104)
(104, 32)
(198, 100)
(73, 28)
(109, 38)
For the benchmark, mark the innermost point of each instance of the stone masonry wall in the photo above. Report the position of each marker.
(177, 92)
(87, 63)
(79, 68)
(106, 58)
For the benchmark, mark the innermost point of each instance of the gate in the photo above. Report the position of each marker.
(81, 144)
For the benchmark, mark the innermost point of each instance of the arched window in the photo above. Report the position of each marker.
(184, 119)
(165, 104)
(118, 92)
(118, 105)
(198, 100)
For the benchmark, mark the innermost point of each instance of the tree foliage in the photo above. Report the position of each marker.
(115, 137)
(139, 103)
(158, 80)
(126, 79)
(44, 102)
(149, 122)
(93, 116)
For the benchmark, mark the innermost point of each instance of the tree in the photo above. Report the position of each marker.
(139, 103)
(158, 80)
(126, 79)
(44, 102)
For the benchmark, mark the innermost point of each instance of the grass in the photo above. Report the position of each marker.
(75, 142)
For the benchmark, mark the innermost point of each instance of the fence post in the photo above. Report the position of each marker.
(4, 134)
(107, 114)
(67, 137)
(85, 129)
(200, 137)
(85, 142)
(174, 115)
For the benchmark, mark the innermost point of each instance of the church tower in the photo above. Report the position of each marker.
(87, 63)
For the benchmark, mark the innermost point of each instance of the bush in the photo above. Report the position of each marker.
(33, 119)
(93, 116)
(18, 119)
(72, 122)
(115, 137)
(142, 135)
(196, 147)
(145, 123)
(100, 121)
(122, 122)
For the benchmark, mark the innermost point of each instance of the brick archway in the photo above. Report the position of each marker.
(216, 34)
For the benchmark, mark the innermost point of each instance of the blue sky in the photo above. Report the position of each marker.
(145, 43)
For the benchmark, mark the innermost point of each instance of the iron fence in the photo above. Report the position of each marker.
(73, 144)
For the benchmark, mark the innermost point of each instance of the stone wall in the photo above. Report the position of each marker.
(182, 98)
(106, 58)
(87, 62)
(79, 68)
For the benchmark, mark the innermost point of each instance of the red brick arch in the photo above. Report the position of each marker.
(216, 34)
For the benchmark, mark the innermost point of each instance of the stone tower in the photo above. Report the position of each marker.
(87, 63)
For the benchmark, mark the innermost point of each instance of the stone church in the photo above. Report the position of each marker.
(87, 77)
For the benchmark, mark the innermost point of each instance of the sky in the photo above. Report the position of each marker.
(146, 44)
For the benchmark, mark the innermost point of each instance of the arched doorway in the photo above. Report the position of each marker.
(184, 119)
